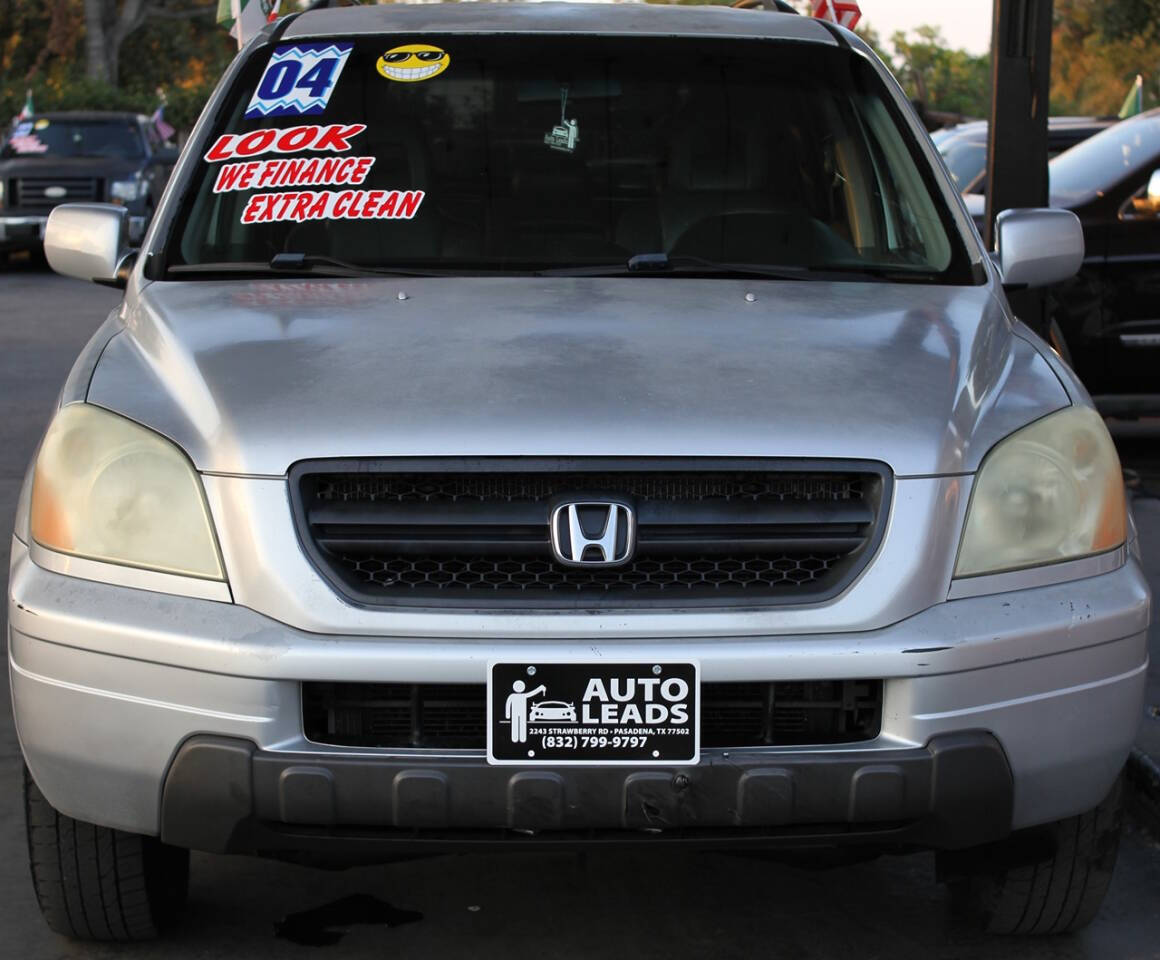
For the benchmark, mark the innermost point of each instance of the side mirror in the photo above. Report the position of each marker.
(1038, 247)
(89, 241)
(166, 155)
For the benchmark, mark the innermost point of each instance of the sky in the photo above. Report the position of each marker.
(965, 23)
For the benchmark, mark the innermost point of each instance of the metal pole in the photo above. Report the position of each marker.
(1020, 88)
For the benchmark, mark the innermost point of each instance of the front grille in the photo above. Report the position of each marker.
(753, 534)
(454, 716)
(29, 192)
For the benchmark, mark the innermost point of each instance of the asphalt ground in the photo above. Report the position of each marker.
(667, 905)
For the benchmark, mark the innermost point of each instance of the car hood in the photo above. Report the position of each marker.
(251, 376)
(107, 168)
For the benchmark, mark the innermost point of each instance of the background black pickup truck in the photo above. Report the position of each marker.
(78, 156)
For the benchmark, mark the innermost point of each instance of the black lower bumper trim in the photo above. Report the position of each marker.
(226, 796)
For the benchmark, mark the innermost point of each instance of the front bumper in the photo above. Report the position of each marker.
(224, 796)
(112, 687)
(21, 232)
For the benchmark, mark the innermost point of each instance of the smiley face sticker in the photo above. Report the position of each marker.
(413, 62)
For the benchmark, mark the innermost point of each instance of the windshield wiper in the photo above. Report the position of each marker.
(310, 262)
(651, 264)
(297, 265)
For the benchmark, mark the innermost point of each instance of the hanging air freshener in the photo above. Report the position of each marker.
(566, 135)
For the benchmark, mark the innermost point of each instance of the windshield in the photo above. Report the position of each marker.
(44, 136)
(1101, 162)
(966, 160)
(523, 154)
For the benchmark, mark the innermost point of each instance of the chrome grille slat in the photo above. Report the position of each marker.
(29, 192)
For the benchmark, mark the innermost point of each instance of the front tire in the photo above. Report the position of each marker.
(97, 883)
(1048, 880)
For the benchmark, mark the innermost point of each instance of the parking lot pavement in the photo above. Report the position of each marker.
(607, 904)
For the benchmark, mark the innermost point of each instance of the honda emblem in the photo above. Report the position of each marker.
(593, 533)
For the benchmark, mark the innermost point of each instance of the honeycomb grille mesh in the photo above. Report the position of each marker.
(537, 488)
(670, 575)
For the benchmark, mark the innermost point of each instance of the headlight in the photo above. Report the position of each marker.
(1049, 492)
(108, 489)
(127, 190)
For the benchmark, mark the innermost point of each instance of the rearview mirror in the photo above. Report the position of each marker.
(89, 241)
(1038, 247)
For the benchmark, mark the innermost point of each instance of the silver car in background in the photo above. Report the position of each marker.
(641, 359)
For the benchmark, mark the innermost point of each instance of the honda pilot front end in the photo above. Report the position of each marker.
(557, 426)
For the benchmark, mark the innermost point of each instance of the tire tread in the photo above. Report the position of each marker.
(1058, 894)
(98, 883)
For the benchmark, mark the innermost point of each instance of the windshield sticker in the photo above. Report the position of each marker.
(332, 205)
(42, 123)
(299, 172)
(336, 138)
(566, 134)
(413, 62)
(298, 80)
(29, 143)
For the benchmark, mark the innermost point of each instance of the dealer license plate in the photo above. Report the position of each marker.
(597, 712)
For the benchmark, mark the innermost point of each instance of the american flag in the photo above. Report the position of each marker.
(164, 130)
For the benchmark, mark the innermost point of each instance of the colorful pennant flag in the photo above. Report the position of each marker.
(27, 110)
(1134, 101)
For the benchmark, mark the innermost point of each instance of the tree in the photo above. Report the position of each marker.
(43, 45)
(953, 81)
(1098, 48)
(108, 23)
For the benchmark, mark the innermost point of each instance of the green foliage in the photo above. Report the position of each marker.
(42, 48)
(1099, 46)
(953, 81)
(1126, 19)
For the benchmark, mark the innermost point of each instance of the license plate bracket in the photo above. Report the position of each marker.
(598, 712)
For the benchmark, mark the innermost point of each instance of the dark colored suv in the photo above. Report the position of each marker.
(93, 155)
(1104, 321)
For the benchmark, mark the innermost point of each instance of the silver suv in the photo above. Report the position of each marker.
(543, 424)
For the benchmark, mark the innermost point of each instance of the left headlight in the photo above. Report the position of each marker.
(127, 190)
(106, 488)
(1052, 491)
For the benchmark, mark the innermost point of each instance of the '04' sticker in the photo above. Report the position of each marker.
(298, 80)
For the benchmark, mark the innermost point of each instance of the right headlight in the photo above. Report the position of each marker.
(1052, 491)
(106, 488)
